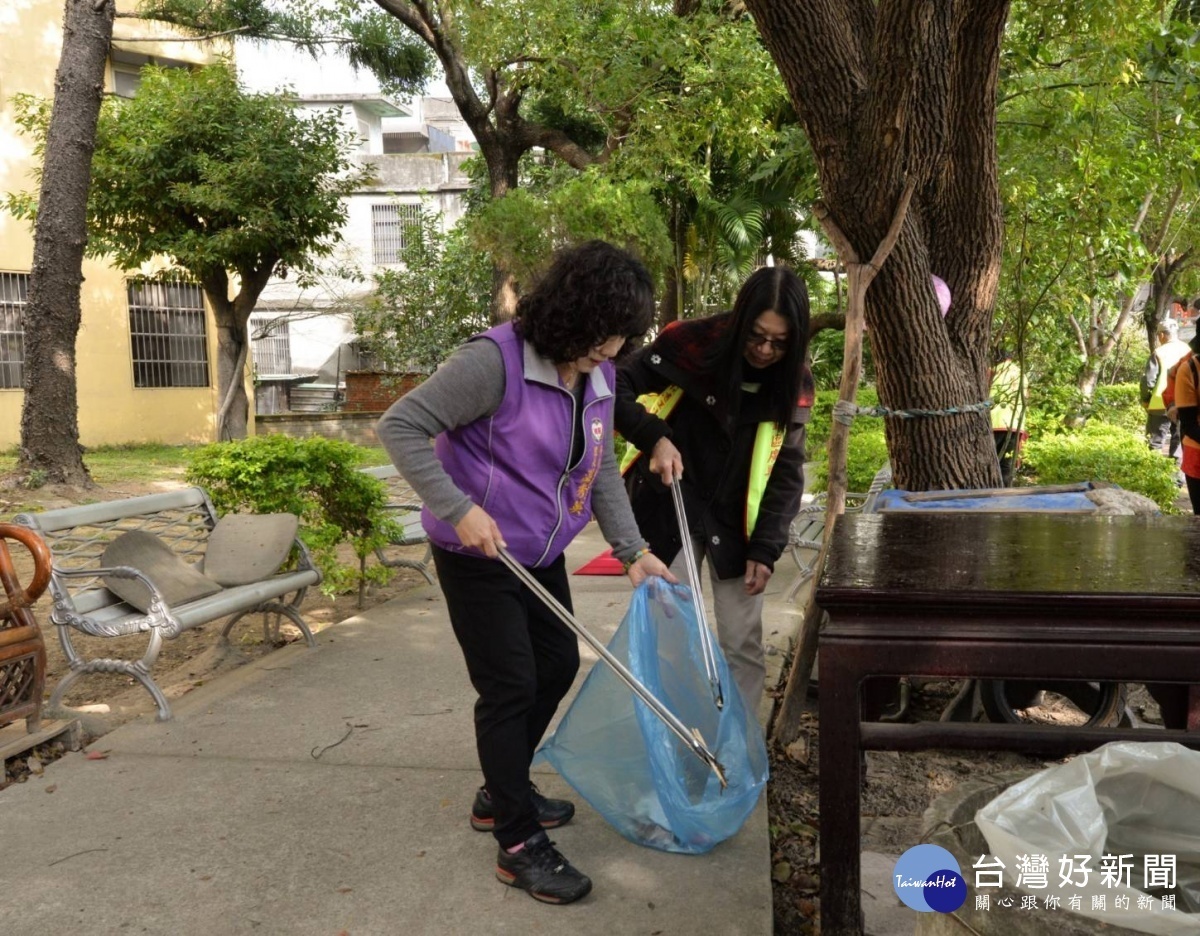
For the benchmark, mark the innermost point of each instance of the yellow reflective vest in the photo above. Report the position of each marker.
(768, 440)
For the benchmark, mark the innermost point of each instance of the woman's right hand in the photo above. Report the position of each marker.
(665, 461)
(477, 529)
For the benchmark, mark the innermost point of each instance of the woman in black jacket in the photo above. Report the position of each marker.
(726, 397)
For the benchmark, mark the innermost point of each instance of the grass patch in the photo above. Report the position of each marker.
(154, 461)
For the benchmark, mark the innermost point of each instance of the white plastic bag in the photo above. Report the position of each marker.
(1125, 798)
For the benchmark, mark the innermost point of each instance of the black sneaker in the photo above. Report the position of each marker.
(541, 871)
(551, 813)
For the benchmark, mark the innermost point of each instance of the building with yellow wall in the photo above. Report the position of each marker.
(147, 346)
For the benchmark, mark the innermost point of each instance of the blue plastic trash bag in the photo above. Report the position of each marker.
(631, 767)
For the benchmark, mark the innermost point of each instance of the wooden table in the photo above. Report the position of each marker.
(989, 595)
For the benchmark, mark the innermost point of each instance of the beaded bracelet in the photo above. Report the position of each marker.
(629, 563)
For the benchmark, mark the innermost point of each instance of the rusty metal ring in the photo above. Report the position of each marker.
(19, 597)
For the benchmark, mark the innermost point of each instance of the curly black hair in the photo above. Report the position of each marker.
(591, 293)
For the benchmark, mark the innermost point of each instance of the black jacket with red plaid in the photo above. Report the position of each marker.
(716, 451)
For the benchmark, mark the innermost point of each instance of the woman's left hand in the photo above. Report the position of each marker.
(757, 576)
(646, 566)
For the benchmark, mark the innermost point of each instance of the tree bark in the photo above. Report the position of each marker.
(232, 318)
(503, 160)
(907, 91)
(50, 411)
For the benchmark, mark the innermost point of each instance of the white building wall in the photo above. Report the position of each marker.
(435, 181)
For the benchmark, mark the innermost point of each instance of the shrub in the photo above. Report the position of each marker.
(317, 480)
(865, 452)
(1119, 405)
(822, 416)
(1051, 405)
(1103, 452)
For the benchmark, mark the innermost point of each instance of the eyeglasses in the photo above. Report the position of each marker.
(755, 340)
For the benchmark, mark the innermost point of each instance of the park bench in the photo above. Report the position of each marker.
(807, 531)
(405, 506)
(197, 578)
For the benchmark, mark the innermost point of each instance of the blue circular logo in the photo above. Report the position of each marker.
(928, 879)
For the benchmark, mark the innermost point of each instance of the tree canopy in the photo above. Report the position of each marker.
(1097, 118)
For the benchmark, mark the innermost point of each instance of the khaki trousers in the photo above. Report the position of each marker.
(739, 628)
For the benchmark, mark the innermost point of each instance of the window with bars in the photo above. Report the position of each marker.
(271, 345)
(392, 227)
(14, 292)
(167, 330)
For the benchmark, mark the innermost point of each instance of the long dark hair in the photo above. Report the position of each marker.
(769, 289)
(591, 293)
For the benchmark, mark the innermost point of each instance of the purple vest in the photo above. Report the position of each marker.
(514, 464)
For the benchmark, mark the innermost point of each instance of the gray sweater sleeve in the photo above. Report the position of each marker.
(610, 504)
(468, 386)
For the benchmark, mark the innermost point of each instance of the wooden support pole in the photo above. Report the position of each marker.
(859, 276)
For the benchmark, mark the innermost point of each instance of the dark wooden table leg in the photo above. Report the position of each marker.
(840, 781)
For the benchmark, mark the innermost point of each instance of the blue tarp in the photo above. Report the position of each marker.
(1029, 499)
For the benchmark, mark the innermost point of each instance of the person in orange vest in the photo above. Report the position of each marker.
(1187, 407)
(718, 405)
(1183, 399)
(1161, 432)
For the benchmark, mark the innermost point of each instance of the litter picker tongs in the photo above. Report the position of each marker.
(691, 737)
(706, 644)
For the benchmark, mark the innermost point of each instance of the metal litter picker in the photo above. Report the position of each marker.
(685, 536)
(690, 737)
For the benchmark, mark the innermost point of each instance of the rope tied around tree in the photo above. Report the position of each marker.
(844, 411)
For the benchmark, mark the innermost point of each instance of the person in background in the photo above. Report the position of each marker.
(1172, 698)
(522, 418)
(1187, 407)
(719, 405)
(1192, 312)
(1162, 433)
(1009, 395)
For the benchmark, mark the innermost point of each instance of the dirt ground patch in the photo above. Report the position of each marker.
(898, 788)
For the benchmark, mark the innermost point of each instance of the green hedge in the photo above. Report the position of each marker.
(316, 479)
(1115, 405)
(1103, 452)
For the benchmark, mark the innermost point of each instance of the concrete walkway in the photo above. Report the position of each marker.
(327, 792)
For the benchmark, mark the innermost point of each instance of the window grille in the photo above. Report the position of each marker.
(14, 292)
(271, 344)
(167, 330)
(393, 226)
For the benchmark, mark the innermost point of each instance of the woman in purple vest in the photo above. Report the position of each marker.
(523, 457)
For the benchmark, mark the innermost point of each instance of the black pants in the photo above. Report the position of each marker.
(1163, 435)
(522, 660)
(1007, 442)
(1193, 489)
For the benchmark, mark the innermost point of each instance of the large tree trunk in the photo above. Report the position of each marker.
(503, 158)
(50, 413)
(908, 91)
